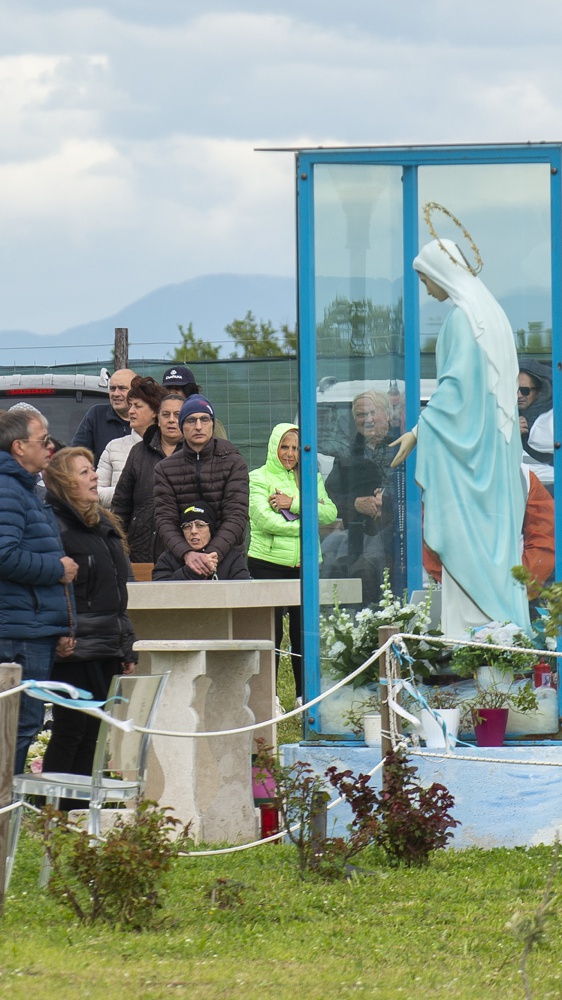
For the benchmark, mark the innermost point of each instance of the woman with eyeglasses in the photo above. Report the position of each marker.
(204, 468)
(534, 402)
(198, 525)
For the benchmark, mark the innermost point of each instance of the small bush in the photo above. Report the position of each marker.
(406, 820)
(117, 880)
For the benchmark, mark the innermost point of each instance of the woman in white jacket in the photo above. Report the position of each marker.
(144, 398)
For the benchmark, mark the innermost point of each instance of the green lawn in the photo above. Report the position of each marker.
(438, 932)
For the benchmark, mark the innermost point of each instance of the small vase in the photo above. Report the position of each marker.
(433, 730)
(372, 729)
(490, 731)
(496, 677)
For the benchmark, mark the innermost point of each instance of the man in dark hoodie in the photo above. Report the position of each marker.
(198, 526)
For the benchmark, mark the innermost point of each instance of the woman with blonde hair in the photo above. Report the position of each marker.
(275, 549)
(103, 634)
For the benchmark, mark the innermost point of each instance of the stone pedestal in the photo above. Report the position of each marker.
(206, 780)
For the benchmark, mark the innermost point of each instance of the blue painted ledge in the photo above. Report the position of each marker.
(498, 805)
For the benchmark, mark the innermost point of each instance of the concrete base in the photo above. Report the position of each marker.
(499, 805)
(207, 780)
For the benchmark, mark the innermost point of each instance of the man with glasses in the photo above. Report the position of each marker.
(204, 469)
(36, 603)
(106, 421)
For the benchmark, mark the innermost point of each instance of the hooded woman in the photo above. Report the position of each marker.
(275, 551)
(469, 450)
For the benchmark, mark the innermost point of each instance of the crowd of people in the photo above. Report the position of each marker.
(150, 477)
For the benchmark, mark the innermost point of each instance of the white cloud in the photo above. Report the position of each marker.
(128, 128)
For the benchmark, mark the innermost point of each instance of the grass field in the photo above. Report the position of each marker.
(437, 932)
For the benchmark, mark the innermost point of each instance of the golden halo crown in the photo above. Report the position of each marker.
(434, 206)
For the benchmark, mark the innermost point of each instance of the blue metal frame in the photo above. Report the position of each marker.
(410, 158)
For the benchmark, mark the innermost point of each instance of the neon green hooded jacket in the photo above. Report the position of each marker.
(274, 539)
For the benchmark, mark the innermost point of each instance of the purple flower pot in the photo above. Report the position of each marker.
(490, 731)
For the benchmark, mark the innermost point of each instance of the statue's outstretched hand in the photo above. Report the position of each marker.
(407, 443)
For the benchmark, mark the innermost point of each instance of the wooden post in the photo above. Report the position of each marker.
(121, 347)
(385, 633)
(10, 677)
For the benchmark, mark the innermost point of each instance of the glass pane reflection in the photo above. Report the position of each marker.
(360, 398)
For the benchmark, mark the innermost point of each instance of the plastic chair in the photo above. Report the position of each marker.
(117, 753)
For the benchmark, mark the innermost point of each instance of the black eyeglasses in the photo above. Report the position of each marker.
(526, 389)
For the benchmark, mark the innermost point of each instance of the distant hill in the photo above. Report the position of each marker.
(209, 302)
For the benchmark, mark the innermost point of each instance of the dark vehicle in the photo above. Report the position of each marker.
(62, 399)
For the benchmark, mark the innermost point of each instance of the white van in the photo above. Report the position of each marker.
(62, 399)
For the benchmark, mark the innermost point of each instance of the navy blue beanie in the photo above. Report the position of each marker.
(195, 404)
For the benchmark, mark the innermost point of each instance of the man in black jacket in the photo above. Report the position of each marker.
(106, 421)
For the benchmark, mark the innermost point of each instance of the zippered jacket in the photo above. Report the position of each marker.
(33, 604)
(217, 474)
(133, 500)
(272, 537)
(103, 628)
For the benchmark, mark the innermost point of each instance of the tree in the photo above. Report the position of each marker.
(360, 328)
(260, 340)
(192, 348)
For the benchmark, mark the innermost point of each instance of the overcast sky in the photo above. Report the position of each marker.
(128, 127)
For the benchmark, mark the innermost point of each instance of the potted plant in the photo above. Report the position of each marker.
(493, 667)
(364, 719)
(489, 710)
(445, 702)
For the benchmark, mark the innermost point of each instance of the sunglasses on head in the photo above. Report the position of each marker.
(526, 389)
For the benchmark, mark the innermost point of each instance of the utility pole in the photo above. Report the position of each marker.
(121, 347)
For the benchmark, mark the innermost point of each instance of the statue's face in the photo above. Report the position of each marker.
(433, 289)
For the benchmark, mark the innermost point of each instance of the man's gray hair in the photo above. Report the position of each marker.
(14, 426)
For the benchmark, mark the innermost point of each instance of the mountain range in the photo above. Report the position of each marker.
(210, 302)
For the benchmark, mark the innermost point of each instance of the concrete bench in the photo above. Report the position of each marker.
(206, 781)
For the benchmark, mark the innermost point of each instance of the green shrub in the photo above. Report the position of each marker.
(117, 880)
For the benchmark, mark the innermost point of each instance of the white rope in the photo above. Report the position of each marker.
(287, 715)
(14, 690)
(414, 752)
(10, 808)
(274, 836)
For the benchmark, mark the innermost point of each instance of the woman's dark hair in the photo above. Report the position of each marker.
(190, 389)
(148, 390)
(171, 395)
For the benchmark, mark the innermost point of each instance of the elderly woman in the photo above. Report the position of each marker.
(144, 398)
(362, 487)
(133, 499)
(104, 634)
(275, 529)
(469, 450)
